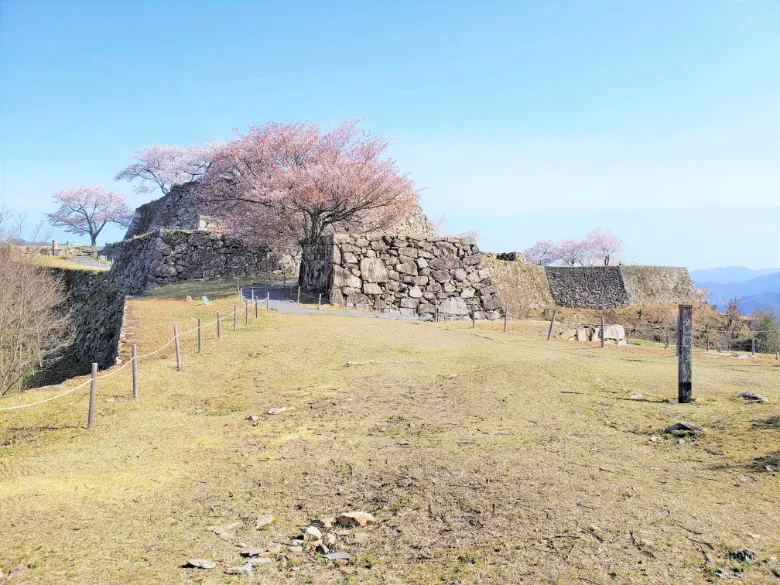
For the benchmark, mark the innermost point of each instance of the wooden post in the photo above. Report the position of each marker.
(284, 282)
(298, 302)
(319, 302)
(473, 319)
(255, 308)
(268, 301)
(235, 317)
(667, 338)
(685, 354)
(253, 294)
(552, 322)
(506, 316)
(602, 330)
(246, 313)
(219, 325)
(134, 367)
(707, 333)
(777, 355)
(178, 346)
(200, 336)
(92, 396)
(753, 346)
(718, 347)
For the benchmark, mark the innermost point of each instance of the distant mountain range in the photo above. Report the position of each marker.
(755, 289)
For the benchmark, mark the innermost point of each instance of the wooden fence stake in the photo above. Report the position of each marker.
(255, 308)
(235, 317)
(707, 332)
(134, 367)
(246, 314)
(667, 338)
(506, 316)
(92, 396)
(602, 330)
(319, 302)
(178, 346)
(298, 302)
(200, 336)
(685, 354)
(268, 301)
(552, 322)
(219, 325)
(473, 319)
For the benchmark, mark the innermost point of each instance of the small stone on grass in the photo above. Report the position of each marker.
(201, 564)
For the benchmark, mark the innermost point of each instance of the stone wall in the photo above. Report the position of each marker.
(175, 211)
(396, 273)
(658, 284)
(523, 287)
(587, 287)
(606, 287)
(177, 256)
(96, 300)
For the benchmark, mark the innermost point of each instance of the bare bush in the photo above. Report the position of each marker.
(34, 327)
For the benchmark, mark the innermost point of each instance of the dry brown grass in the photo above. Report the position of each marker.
(488, 458)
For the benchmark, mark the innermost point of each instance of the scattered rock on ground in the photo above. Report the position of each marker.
(330, 539)
(684, 427)
(16, 571)
(321, 548)
(327, 521)
(259, 561)
(312, 534)
(263, 521)
(275, 549)
(337, 555)
(751, 397)
(295, 549)
(200, 563)
(360, 537)
(254, 418)
(680, 441)
(356, 519)
(245, 569)
(744, 555)
(653, 438)
(280, 410)
(251, 552)
(223, 528)
(637, 397)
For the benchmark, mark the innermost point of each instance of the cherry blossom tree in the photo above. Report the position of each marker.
(572, 252)
(165, 165)
(87, 210)
(543, 252)
(602, 246)
(296, 182)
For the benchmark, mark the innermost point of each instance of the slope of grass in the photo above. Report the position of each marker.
(64, 262)
(486, 457)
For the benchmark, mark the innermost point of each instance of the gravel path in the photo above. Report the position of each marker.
(283, 299)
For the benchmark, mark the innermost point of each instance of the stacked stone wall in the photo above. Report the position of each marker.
(658, 284)
(416, 277)
(587, 287)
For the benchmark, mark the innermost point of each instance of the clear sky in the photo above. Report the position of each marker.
(659, 120)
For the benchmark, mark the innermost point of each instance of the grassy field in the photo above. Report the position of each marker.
(486, 458)
(64, 262)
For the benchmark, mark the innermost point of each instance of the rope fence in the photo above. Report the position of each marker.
(135, 359)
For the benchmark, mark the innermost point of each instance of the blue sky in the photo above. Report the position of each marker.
(523, 119)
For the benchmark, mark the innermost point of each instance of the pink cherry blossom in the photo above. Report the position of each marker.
(293, 182)
(87, 210)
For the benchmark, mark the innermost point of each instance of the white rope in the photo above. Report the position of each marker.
(47, 399)
(119, 369)
(158, 350)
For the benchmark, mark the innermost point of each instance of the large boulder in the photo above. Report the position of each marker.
(453, 306)
(614, 333)
(343, 277)
(373, 270)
